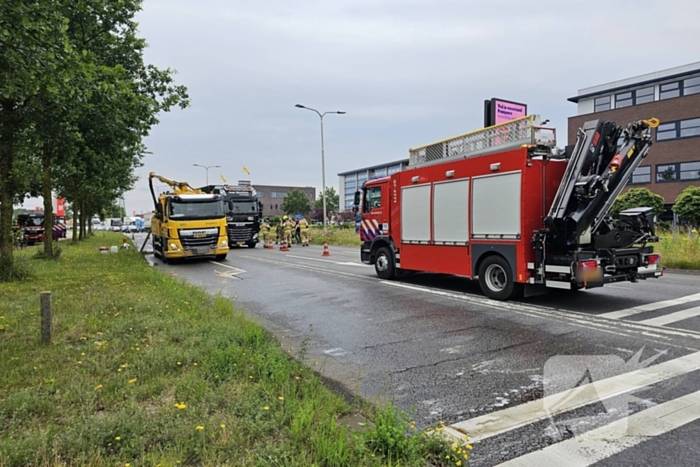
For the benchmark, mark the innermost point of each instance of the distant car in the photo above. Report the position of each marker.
(129, 228)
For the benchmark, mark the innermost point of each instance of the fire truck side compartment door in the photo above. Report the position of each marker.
(451, 212)
(496, 206)
(415, 214)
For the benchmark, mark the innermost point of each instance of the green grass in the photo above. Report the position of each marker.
(336, 236)
(145, 370)
(679, 251)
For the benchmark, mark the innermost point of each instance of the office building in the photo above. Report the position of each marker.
(352, 181)
(272, 196)
(672, 96)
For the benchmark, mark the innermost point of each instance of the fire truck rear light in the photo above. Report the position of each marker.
(654, 259)
(450, 173)
(495, 166)
(415, 179)
(588, 264)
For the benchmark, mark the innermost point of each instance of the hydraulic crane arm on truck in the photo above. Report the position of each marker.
(187, 222)
(504, 206)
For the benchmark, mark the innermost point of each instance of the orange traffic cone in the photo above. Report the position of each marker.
(271, 245)
(325, 249)
(283, 246)
(132, 236)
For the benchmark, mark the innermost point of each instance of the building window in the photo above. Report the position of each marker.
(275, 206)
(682, 171)
(689, 170)
(644, 95)
(261, 194)
(641, 175)
(666, 131)
(690, 127)
(278, 194)
(680, 129)
(602, 103)
(666, 173)
(691, 86)
(624, 99)
(670, 90)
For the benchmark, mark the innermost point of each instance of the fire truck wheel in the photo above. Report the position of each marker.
(496, 278)
(384, 265)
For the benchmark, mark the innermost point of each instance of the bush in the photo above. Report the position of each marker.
(687, 206)
(21, 269)
(637, 198)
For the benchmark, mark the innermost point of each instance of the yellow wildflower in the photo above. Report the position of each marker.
(223, 426)
(118, 438)
(200, 427)
(132, 381)
(281, 398)
(458, 463)
(99, 386)
(266, 408)
(181, 405)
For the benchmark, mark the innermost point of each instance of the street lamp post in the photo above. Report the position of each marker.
(207, 167)
(323, 158)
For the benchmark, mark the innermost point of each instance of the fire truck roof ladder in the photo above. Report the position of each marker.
(524, 131)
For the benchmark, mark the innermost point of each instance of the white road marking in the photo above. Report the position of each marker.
(650, 307)
(486, 426)
(337, 352)
(346, 263)
(236, 270)
(673, 317)
(606, 441)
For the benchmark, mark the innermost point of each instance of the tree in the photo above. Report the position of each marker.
(296, 202)
(332, 200)
(687, 206)
(637, 198)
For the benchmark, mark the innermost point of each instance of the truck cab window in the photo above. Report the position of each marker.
(373, 198)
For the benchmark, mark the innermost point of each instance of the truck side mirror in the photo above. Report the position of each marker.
(356, 202)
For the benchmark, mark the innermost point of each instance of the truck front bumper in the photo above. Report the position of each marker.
(364, 253)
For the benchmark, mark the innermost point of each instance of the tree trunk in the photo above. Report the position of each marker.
(6, 188)
(48, 204)
(76, 217)
(83, 216)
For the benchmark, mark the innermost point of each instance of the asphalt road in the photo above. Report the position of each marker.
(606, 377)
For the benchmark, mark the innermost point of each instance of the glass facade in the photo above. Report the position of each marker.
(354, 181)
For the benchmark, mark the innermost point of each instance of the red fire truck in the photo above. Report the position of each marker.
(503, 205)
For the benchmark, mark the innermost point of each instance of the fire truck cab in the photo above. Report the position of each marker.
(503, 206)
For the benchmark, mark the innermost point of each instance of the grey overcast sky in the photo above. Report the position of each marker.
(407, 72)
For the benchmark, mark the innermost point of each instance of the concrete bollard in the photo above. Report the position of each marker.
(45, 317)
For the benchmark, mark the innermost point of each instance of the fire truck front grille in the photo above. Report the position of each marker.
(239, 234)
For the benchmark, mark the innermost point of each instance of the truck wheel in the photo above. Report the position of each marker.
(221, 257)
(496, 278)
(385, 265)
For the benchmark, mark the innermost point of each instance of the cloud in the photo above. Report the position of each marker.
(407, 72)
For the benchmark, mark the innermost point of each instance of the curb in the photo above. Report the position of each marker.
(686, 272)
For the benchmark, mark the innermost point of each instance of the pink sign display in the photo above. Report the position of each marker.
(506, 111)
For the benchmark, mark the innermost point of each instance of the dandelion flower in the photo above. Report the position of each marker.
(179, 363)
(200, 427)
(118, 438)
(127, 465)
(132, 381)
(266, 408)
(458, 463)
(281, 398)
(181, 405)
(223, 426)
(99, 386)
(83, 354)
(195, 363)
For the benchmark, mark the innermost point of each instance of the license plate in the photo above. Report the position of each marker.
(239, 224)
(201, 251)
(200, 235)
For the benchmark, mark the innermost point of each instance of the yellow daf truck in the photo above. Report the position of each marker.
(187, 223)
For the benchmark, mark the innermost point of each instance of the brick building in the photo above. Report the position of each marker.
(672, 96)
(273, 195)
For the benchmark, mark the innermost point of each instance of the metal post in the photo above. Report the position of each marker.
(206, 168)
(45, 317)
(323, 160)
(323, 179)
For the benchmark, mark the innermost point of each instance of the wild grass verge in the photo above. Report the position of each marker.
(336, 236)
(145, 370)
(679, 250)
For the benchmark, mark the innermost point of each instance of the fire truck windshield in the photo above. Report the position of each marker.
(34, 221)
(189, 210)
